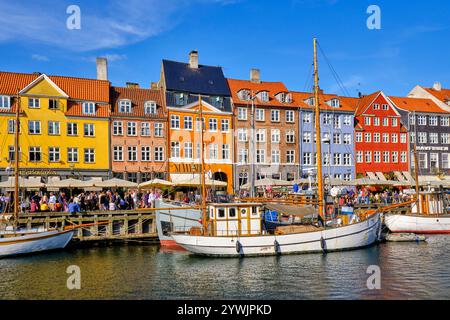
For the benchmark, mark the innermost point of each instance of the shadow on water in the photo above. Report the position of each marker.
(408, 271)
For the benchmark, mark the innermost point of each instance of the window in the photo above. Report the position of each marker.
(125, 106)
(244, 95)
(347, 176)
(367, 137)
(53, 128)
(306, 137)
(260, 135)
(385, 122)
(199, 125)
(337, 122)
(54, 154)
(242, 114)
(118, 153)
(359, 157)
(174, 122)
(337, 159)
(311, 101)
(159, 154)
(394, 122)
(12, 126)
(158, 129)
(402, 137)
(11, 153)
(117, 128)
(422, 120)
(358, 137)
(368, 157)
(434, 138)
(290, 136)
(335, 103)
(217, 102)
(412, 135)
(412, 120)
(445, 161)
(5, 102)
(347, 159)
(386, 157)
(132, 153)
(243, 156)
(213, 124)
(89, 130)
(259, 115)
(367, 121)
(275, 156)
(290, 116)
(394, 138)
(145, 129)
(175, 149)
(422, 137)
(260, 156)
(403, 157)
(445, 138)
(264, 96)
(394, 156)
(34, 127)
(88, 108)
(145, 153)
(337, 138)
(326, 119)
(242, 135)
(290, 156)
(131, 129)
(89, 155)
(72, 154)
(53, 104)
(423, 161)
(385, 137)
(34, 154)
(275, 115)
(377, 157)
(325, 137)
(376, 138)
(347, 120)
(376, 121)
(225, 125)
(180, 99)
(307, 117)
(433, 121)
(150, 107)
(326, 159)
(188, 123)
(33, 103)
(445, 121)
(188, 150)
(384, 107)
(376, 106)
(307, 158)
(72, 129)
(225, 151)
(213, 151)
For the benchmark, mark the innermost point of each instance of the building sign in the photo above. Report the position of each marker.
(421, 148)
(186, 167)
(38, 172)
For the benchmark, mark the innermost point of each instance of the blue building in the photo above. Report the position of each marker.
(337, 129)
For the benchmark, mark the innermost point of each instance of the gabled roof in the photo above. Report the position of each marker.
(416, 104)
(365, 101)
(443, 94)
(76, 88)
(273, 88)
(207, 80)
(138, 97)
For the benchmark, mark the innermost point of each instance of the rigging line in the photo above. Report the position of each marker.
(309, 77)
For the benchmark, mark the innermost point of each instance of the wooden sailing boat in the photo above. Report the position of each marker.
(235, 229)
(15, 240)
(428, 212)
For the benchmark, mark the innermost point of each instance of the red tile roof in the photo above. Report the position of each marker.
(346, 103)
(364, 102)
(75, 109)
(443, 95)
(416, 104)
(138, 97)
(76, 88)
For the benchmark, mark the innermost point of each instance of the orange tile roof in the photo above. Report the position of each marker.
(138, 97)
(416, 104)
(75, 109)
(364, 102)
(346, 103)
(272, 87)
(443, 95)
(76, 88)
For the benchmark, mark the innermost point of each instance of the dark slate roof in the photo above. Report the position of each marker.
(207, 80)
(171, 101)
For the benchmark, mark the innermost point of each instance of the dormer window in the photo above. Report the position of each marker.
(217, 102)
(5, 102)
(89, 108)
(447, 102)
(288, 98)
(180, 99)
(244, 95)
(125, 106)
(335, 103)
(53, 104)
(150, 107)
(310, 101)
(264, 96)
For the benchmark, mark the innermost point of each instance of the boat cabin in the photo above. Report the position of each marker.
(235, 219)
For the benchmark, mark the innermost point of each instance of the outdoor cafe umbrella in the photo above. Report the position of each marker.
(70, 183)
(115, 183)
(155, 183)
(196, 182)
(23, 183)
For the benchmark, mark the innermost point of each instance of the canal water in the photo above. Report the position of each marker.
(408, 271)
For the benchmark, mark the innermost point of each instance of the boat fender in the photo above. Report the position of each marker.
(277, 247)
(323, 244)
(238, 247)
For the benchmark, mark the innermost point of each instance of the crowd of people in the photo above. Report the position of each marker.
(365, 196)
(81, 202)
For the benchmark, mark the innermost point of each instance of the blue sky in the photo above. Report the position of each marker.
(411, 48)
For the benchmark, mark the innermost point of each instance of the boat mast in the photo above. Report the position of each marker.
(318, 134)
(416, 165)
(16, 163)
(252, 147)
(202, 167)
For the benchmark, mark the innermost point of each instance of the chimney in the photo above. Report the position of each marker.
(193, 59)
(255, 76)
(102, 68)
(132, 85)
(437, 86)
(154, 85)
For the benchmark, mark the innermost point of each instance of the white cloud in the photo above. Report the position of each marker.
(39, 57)
(112, 24)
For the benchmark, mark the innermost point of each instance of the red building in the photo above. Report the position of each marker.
(381, 140)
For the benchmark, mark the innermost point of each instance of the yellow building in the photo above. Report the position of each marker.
(64, 125)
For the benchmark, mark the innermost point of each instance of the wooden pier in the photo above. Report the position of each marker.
(120, 225)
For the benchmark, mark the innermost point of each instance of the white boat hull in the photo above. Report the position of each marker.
(418, 224)
(31, 242)
(354, 236)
